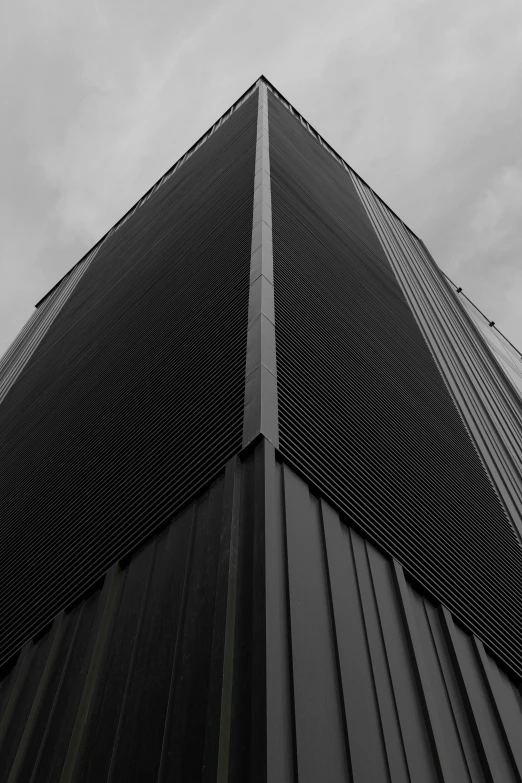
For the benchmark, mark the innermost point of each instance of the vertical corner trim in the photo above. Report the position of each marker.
(260, 411)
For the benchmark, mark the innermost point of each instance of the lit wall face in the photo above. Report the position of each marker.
(365, 410)
(487, 402)
(506, 354)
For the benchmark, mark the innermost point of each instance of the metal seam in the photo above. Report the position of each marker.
(260, 411)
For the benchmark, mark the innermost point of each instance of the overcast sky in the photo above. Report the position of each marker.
(423, 99)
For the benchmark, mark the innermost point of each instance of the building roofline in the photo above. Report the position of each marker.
(200, 141)
(169, 171)
(205, 136)
(346, 165)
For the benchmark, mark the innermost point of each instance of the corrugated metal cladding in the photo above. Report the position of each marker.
(509, 357)
(364, 412)
(19, 353)
(488, 404)
(258, 638)
(134, 397)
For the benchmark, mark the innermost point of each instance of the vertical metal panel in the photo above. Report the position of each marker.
(364, 411)
(137, 682)
(447, 737)
(12, 680)
(184, 747)
(260, 416)
(410, 698)
(390, 635)
(219, 710)
(142, 721)
(102, 734)
(107, 608)
(279, 724)
(374, 736)
(320, 747)
(488, 735)
(241, 722)
(134, 398)
(448, 764)
(458, 729)
(260, 635)
(162, 665)
(66, 710)
(506, 702)
(18, 710)
(42, 703)
(157, 685)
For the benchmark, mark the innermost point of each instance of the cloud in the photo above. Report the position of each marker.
(421, 98)
(427, 110)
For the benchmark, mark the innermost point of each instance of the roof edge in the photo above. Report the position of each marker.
(169, 171)
(261, 79)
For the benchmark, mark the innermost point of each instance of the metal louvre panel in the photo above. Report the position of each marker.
(168, 174)
(125, 683)
(134, 398)
(20, 352)
(487, 403)
(363, 410)
(508, 357)
(258, 638)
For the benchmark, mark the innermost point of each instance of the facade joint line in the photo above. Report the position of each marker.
(260, 411)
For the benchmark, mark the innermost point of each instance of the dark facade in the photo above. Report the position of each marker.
(261, 492)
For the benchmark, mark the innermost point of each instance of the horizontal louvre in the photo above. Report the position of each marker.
(20, 352)
(486, 401)
(134, 398)
(258, 638)
(363, 410)
(148, 639)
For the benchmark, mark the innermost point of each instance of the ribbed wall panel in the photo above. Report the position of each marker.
(488, 405)
(258, 638)
(19, 353)
(118, 688)
(345, 607)
(168, 174)
(505, 353)
(364, 412)
(134, 397)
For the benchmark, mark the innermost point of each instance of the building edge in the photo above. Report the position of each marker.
(260, 412)
(316, 656)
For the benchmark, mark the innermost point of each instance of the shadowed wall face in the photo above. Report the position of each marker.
(192, 659)
(364, 411)
(134, 398)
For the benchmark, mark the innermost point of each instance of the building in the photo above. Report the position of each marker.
(261, 495)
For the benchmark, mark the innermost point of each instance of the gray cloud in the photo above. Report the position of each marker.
(421, 98)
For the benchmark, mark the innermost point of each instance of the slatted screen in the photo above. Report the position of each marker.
(363, 410)
(134, 398)
(341, 671)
